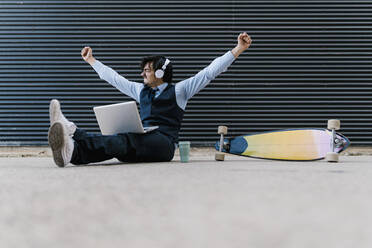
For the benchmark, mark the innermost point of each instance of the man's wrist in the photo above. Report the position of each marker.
(91, 61)
(236, 51)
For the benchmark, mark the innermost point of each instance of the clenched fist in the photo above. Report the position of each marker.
(87, 55)
(244, 40)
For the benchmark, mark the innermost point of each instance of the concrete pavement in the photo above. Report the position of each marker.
(241, 202)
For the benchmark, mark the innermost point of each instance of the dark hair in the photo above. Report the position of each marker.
(157, 62)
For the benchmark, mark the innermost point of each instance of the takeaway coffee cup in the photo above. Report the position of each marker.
(184, 148)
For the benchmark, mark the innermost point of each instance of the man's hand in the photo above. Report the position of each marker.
(244, 41)
(87, 55)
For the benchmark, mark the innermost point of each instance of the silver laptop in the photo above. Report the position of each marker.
(120, 118)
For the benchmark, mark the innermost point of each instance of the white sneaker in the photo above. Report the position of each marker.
(55, 114)
(61, 143)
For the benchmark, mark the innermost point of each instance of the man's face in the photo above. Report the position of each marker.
(148, 75)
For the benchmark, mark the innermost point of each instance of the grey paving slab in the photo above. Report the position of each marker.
(241, 202)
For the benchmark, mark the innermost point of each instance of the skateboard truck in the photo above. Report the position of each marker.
(220, 156)
(333, 125)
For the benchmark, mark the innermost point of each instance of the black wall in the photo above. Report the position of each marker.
(310, 61)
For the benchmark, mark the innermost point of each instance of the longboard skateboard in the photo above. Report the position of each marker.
(290, 144)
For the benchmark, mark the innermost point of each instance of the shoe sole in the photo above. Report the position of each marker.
(54, 106)
(57, 142)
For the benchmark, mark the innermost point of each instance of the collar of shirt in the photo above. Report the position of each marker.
(160, 89)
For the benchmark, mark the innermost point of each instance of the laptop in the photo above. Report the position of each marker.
(120, 118)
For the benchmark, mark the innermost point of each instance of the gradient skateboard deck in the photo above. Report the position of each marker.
(291, 144)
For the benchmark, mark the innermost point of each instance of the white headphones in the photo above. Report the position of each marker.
(159, 73)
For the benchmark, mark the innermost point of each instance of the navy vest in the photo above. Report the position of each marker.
(162, 111)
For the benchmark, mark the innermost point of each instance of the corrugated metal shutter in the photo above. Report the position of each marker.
(310, 61)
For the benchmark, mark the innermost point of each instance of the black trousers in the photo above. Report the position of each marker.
(127, 147)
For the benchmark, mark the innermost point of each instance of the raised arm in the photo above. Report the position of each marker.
(129, 88)
(189, 87)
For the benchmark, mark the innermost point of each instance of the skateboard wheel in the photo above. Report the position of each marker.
(222, 130)
(334, 124)
(332, 157)
(219, 156)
